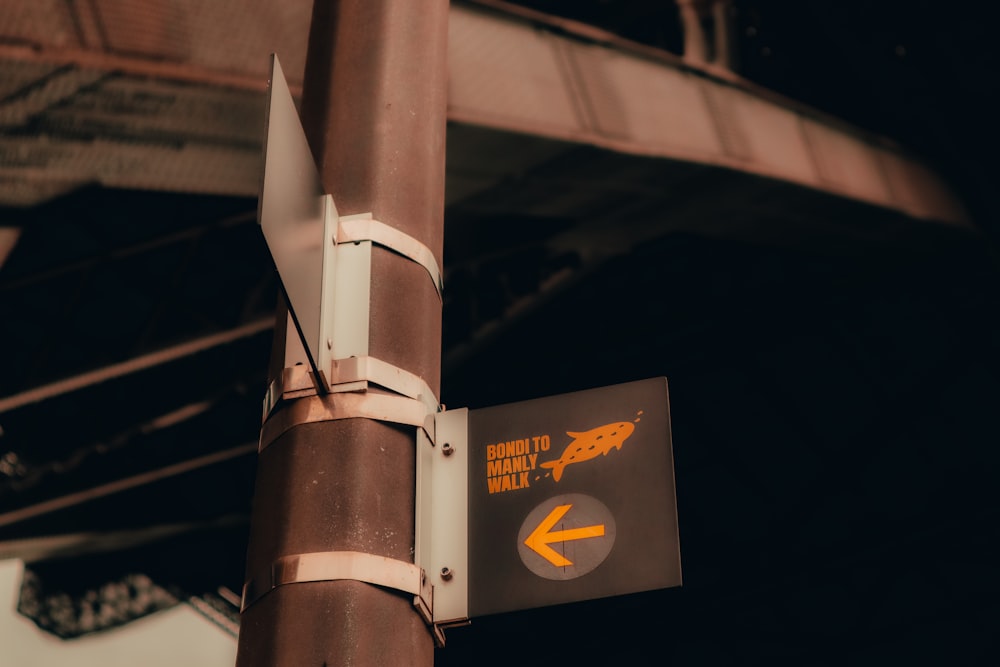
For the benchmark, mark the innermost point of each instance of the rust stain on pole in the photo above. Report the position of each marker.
(374, 105)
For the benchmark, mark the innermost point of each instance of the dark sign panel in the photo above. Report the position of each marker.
(571, 498)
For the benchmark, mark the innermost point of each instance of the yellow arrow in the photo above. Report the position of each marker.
(541, 538)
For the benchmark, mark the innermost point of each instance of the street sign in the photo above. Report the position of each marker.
(327, 285)
(568, 498)
(571, 498)
(297, 220)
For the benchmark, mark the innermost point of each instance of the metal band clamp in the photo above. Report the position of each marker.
(330, 407)
(334, 566)
(351, 566)
(370, 369)
(361, 227)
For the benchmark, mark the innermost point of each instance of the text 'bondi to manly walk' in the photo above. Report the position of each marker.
(511, 465)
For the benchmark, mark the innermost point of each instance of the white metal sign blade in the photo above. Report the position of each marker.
(294, 217)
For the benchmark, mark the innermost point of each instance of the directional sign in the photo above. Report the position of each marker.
(571, 498)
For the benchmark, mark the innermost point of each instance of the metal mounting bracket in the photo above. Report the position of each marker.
(442, 521)
(331, 407)
(362, 227)
(350, 375)
(362, 370)
(347, 565)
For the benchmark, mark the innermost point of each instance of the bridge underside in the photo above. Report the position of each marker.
(815, 295)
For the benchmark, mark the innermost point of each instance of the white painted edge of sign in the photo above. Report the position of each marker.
(442, 519)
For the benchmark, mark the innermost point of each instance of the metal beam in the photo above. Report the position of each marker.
(134, 365)
(119, 485)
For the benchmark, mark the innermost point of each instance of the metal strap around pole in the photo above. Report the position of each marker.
(382, 373)
(335, 566)
(331, 407)
(361, 227)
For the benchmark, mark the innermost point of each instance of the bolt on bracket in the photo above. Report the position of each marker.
(442, 522)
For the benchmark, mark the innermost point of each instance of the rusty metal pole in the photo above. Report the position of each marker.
(374, 105)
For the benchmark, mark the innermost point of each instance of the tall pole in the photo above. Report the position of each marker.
(374, 111)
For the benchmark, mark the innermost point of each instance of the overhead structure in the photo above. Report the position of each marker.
(131, 104)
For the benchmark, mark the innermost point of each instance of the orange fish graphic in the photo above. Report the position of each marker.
(589, 444)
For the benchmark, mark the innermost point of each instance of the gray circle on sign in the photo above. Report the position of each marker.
(589, 526)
